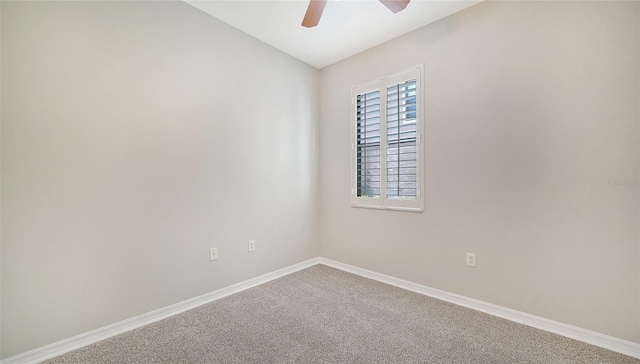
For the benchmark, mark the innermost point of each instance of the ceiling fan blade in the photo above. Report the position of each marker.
(395, 5)
(314, 12)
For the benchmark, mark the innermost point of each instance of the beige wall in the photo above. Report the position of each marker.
(530, 109)
(135, 136)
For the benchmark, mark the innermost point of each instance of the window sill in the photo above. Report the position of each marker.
(391, 208)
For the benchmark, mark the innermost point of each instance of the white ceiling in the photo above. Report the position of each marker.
(347, 27)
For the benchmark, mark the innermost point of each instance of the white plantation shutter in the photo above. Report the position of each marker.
(402, 136)
(368, 144)
(386, 151)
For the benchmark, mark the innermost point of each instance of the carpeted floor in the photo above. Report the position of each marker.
(324, 315)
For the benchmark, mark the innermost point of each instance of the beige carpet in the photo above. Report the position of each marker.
(324, 315)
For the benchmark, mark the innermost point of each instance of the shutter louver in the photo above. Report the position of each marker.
(368, 144)
(401, 158)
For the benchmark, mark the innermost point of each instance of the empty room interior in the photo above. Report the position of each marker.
(320, 181)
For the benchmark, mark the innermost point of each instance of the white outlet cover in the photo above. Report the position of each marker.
(252, 245)
(213, 254)
(471, 259)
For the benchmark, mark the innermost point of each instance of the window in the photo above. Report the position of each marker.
(386, 150)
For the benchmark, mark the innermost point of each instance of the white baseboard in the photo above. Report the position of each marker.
(591, 337)
(76, 342)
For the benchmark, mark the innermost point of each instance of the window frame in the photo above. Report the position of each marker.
(381, 85)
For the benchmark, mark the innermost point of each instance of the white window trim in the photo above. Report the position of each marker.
(382, 202)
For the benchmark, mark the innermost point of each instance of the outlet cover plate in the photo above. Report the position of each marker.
(471, 260)
(213, 254)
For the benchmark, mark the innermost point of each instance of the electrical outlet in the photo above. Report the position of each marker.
(213, 254)
(252, 245)
(471, 259)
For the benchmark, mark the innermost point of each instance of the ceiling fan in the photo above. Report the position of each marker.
(316, 7)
